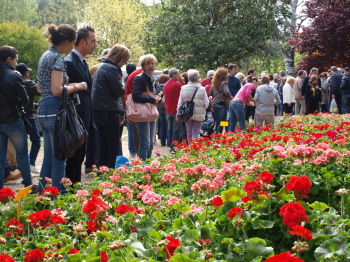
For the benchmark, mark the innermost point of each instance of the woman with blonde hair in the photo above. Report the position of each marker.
(107, 91)
(143, 83)
(51, 79)
(219, 92)
(288, 95)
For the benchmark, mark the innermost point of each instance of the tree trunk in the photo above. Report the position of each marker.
(288, 57)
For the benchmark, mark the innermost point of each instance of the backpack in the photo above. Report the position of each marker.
(187, 108)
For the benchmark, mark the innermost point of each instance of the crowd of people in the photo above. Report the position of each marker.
(100, 92)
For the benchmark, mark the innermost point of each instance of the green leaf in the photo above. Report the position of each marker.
(332, 248)
(319, 206)
(180, 258)
(138, 247)
(92, 250)
(233, 194)
(191, 234)
(74, 257)
(256, 247)
(263, 224)
(205, 232)
(94, 259)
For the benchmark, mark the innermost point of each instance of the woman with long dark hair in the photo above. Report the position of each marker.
(51, 79)
(313, 96)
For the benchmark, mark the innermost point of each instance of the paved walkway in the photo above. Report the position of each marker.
(16, 184)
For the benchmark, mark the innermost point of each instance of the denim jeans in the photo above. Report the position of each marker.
(131, 141)
(236, 114)
(174, 129)
(18, 136)
(193, 127)
(162, 127)
(146, 131)
(108, 128)
(345, 103)
(220, 114)
(35, 139)
(52, 167)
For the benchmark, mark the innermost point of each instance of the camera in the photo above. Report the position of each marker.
(76, 99)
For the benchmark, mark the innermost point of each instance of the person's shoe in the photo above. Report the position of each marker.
(34, 170)
(13, 175)
(34, 189)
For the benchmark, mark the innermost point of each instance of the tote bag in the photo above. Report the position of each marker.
(141, 112)
(70, 133)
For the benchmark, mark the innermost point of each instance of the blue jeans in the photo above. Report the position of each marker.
(146, 131)
(345, 103)
(18, 136)
(193, 127)
(220, 114)
(52, 167)
(236, 114)
(162, 127)
(174, 129)
(131, 142)
(35, 139)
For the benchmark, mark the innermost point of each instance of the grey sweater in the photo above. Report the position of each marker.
(266, 97)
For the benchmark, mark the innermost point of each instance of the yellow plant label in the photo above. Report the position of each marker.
(223, 123)
(22, 193)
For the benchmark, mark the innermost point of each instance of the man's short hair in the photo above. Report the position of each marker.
(265, 80)
(83, 33)
(334, 69)
(193, 75)
(251, 71)
(313, 70)
(300, 72)
(231, 66)
(347, 69)
(165, 71)
(6, 52)
(173, 71)
(282, 73)
(130, 68)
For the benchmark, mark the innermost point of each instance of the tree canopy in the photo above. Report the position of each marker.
(326, 40)
(29, 41)
(207, 34)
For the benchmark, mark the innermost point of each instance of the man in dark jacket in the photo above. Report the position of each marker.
(345, 91)
(78, 71)
(12, 97)
(335, 81)
(34, 135)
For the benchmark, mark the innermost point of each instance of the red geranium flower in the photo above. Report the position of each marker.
(50, 191)
(293, 213)
(95, 206)
(252, 187)
(15, 223)
(300, 185)
(266, 177)
(234, 212)
(217, 201)
(40, 218)
(95, 192)
(5, 258)
(171, 247)
(284, 257)
(73, 251)
(301, 231)
(36, 255)
(123, 209)
(104, 256)
(57, 219)
(5, 195)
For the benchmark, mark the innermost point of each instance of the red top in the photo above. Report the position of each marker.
(171, 95)
(207, 89)
(205, 82)
(130, 81)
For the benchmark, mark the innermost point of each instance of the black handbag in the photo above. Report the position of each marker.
(70, 133)
(186, 110)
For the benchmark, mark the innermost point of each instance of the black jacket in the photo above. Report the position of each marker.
(141, 82)
(12, 94)
(335, 81)
(305, 83)
(107, 87)
(78, 73)
(345, 85)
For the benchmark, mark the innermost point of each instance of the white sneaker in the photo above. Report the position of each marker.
(34, 170)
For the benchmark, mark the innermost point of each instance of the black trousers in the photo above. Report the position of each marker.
(108, 128)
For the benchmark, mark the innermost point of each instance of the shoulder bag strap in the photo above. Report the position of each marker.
(64, 97)
(195, 92)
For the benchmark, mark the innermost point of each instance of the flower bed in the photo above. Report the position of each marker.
(260, 195)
